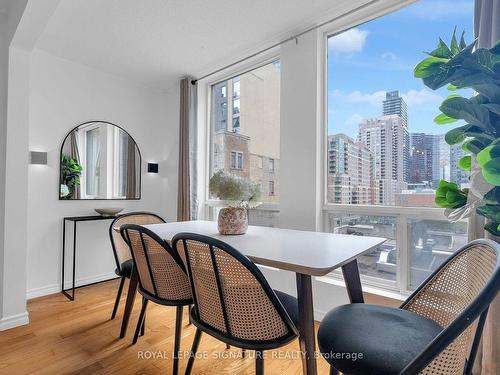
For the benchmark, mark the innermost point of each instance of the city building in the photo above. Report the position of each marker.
(385, 137)
(458, 175)
(395, 105)
(425, 158)
(246, 128)
(350, 171)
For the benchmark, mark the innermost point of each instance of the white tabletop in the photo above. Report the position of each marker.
(311, 253)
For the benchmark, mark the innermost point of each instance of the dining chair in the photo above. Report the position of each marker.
(162, 277)
(121, 251)
(431, 333)
(233, 302)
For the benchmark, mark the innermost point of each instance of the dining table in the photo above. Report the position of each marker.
(308, 254)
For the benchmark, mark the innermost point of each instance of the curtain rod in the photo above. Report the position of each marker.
(293, 37)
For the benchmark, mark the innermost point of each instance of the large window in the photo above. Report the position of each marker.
(384, 153)
(245, 131)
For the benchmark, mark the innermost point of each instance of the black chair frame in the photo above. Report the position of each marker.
(258, 346)
(477, 309)
(115, 255)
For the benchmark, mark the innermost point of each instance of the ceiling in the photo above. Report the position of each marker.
(156, 42)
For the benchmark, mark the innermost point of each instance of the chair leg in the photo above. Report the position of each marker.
(189, 314)
(194, 349)
(333, 371)
(140, 322)
(143, 326)
(259, 362)
(243, 353)
(177, 339)
(228, 346)
(118, 296)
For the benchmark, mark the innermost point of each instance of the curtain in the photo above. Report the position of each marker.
(130, 168)
(75, 155)
(487, 30)
(187, 202)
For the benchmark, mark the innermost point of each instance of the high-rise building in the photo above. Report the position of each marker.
(425, 158)
(243, 107)
(385, 137)
(350, 170)
(395, 105)
(458, 175)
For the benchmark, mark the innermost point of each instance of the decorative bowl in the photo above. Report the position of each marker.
(108, 211)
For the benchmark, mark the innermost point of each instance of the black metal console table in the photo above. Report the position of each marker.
(76, 219)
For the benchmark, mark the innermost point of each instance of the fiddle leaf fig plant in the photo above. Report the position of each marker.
(70, 176)
(462, 66)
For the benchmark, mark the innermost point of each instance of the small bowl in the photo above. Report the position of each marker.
(108, 211)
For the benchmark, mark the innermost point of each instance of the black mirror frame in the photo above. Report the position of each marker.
(99, 199)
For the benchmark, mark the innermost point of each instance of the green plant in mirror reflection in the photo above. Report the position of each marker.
(70, 176)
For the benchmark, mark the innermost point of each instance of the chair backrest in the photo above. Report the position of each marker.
(121, 250)
(161, 272)
(454, 296)
(231, 296)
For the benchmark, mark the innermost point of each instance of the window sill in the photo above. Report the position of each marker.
(366, 288)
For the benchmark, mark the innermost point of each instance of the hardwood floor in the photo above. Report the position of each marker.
(79, 338)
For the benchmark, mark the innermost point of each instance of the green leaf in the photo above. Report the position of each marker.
(465, 163)
(490, 90)
(428, 67)
(454, 44)
(493, 228)
(462, 44)
(491, 171)
(492, 197)
(452, 87)
(493, 107)
(456, 135)
(463, 108)
(488, 153)
(442, 119)
(441, 50)
(473, 146)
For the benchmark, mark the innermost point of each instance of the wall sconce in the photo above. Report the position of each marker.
(38, 157)
(152, 167)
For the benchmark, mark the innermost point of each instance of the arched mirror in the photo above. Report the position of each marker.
(99, 160)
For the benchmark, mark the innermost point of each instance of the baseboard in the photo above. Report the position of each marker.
(14, 321)
(56, 288)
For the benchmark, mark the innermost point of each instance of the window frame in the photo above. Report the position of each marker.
(403, 215)
(205, 129)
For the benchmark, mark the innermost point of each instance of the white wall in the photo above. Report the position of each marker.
(62, 95)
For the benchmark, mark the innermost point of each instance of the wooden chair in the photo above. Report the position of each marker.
(232, 300)
(121, 250)
(162, 277)
(431, 333)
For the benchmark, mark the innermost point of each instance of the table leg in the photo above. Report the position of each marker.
(63, 254)
(306, 324)
(353, 281)
(132, 290)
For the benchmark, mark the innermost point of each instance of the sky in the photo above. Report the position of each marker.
(379, 56)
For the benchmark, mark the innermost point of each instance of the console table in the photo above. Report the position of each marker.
(76, 219)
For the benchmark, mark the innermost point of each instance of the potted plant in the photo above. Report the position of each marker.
(70, 176)
(239, 195)
(462, 66)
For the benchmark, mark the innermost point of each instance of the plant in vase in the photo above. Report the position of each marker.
(70, 176)
(239, 195)
(461, 66)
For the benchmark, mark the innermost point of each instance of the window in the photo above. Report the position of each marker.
(384, 154)
(246, 135)
(271, 188)
(271, 165)
(236, 160)
(92, 161)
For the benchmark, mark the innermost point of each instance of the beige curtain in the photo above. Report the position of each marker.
(487, 30)
(131, 180)
(75, 155)
(186, 198)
